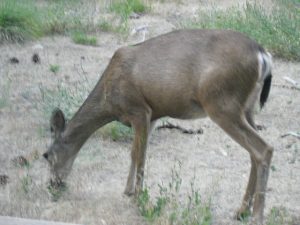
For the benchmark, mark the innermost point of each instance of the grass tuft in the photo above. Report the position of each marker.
(116, 131)
(125, 8)
(279, 216)
(54, 68)
(19, 21)
(82, 38)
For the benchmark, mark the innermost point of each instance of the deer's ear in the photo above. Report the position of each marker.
(57, 122)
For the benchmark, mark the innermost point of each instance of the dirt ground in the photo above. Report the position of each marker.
(96, 184)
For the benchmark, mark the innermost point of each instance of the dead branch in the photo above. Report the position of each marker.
(168, 125)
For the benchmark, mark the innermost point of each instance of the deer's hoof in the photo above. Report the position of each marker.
(242, 214)
(129, 192)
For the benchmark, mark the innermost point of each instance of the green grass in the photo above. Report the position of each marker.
(279, 216)
(149, 210)
(278, 31)
(54, 68)
(19, 21)
(169, 206)
(82, 38)
(26, 19)
(116, 131)
(125, 8)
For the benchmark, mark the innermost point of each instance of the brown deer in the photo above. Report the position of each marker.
(184, 74)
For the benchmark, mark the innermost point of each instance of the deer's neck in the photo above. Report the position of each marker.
(92, 115)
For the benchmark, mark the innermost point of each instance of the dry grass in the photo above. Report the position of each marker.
(95, 186)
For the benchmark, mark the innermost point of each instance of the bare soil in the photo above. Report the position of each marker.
(96, 184)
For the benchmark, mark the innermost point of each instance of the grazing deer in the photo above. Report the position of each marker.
(184, 74)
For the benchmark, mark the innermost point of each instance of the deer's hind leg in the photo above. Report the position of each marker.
(245, 210)
(234, 123)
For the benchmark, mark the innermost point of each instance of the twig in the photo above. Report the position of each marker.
(168, 125)
(293, 82)
(287, 87)
(291, 133)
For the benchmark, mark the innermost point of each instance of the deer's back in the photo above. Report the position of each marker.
(178, 72)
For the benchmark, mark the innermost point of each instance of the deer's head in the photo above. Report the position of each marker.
(59, 153)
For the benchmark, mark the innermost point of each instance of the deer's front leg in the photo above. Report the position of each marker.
(135, 179)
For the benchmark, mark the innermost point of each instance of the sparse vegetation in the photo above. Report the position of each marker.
(56, 191)
(66, 98)
(25, 183)
(170, 207)
(82, 38)
(278, 30)
(54, 68)
(69, 100)
(278, 216)
(4, 94)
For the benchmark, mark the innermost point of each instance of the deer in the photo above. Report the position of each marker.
(184, 74)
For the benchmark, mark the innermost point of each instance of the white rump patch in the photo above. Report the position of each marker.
(264, 64)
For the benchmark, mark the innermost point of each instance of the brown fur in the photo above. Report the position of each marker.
(183, 74)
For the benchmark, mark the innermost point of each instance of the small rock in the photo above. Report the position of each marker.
(14, 60)
(134, 16)
(36, 58)
(38, 47)
(3, 179)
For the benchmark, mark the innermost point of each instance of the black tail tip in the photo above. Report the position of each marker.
(265, 90)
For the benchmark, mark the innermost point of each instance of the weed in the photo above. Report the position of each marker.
(54, 68)
(25, 183)
(278, 31)
(279, 216)
(116, 131)
(19, 21)
(149, 210)
(194, 211)
(56, 191)
(82, 38)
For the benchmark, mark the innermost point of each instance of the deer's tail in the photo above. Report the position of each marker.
(265, 61)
